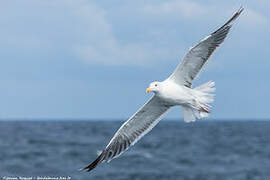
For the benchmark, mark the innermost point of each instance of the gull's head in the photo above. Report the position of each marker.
(154, 87)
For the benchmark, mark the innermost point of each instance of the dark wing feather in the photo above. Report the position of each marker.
(95, 163)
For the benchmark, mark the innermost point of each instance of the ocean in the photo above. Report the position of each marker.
(173, 150)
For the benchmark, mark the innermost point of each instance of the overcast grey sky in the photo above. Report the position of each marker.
(94, 59)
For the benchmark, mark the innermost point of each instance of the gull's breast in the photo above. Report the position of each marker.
(175, 94)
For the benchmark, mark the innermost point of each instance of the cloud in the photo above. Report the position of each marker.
(254, 18)
(86, 31)
(188, 9)
(77, 28)
(100, 45)
(115, 54)
(177, 8)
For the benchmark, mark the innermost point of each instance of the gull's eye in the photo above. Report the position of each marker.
(156, 85)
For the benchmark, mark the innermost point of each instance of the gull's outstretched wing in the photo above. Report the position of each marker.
(197, 56)
(132, 130)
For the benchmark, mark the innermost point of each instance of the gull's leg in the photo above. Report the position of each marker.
(205, 109)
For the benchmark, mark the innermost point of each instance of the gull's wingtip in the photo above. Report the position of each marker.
(235, 16)
(240, 10)
(230, 21)
(94, 164)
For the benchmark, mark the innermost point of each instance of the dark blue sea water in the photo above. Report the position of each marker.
(205, 150)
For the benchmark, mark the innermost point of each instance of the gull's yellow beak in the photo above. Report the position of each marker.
(148, 90)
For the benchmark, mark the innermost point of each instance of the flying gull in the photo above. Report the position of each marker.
(174, 91)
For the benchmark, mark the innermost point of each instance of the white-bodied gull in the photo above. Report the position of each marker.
(174, 91)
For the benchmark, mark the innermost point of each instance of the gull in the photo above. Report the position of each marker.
(174, 91)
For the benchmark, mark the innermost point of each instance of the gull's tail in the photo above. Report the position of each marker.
(201, 108)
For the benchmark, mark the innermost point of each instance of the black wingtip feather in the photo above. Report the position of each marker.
(234, 17)
(94, 164)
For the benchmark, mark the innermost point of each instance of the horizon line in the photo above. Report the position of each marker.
(124, 119)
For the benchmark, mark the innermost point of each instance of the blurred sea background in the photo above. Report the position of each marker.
(173, 150)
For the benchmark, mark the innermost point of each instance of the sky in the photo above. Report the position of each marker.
(82, 59)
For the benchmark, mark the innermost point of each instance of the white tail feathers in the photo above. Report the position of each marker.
(203, 98)
(203, 93)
